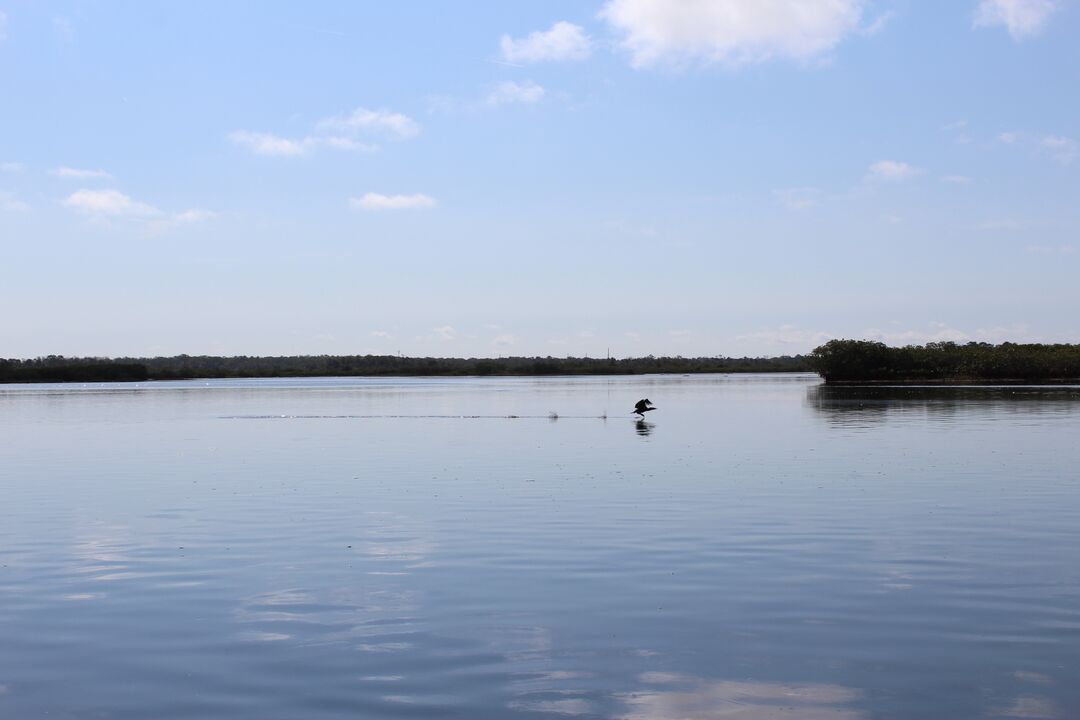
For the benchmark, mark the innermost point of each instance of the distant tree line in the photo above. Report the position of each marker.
(180, 367)
(868, 361)
(57, 368)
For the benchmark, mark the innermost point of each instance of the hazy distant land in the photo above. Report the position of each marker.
(56, 368)
(837, 361)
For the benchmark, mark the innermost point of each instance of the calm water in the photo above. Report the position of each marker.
(762, 548)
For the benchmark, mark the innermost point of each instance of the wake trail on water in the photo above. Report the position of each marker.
(551, 416)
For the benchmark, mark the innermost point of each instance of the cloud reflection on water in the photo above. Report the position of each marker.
(1030, 707)
(689, 698)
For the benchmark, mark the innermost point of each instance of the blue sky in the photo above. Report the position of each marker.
(536, 178)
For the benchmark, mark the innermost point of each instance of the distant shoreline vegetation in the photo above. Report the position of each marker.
(865, 361)
(837, 361)
(56, 368)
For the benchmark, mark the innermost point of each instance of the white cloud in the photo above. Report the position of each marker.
(3, 26)
(364, 120)
(564, 41)
(891, 170)
(75, 173)
(504, 340)
(956, 179)
(514, 92)
(635, 336)
(1023, 18)
(10, 203)
(446, 332)
(378, 201)
(193, 215)
(789, 337)
(937, 332)
(380, 334)
(1062, 148)
(112, 203)
(340, 132)
(732, 32)
(11, 167)
(268, 144)
(943, 332)
(340, 142)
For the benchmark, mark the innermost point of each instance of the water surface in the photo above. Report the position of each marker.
(762, 547)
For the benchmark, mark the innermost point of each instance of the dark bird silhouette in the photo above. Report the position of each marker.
(643, 406)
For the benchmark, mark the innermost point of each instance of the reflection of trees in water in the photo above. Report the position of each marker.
(863, 404)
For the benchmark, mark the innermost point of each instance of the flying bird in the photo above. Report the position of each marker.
(643, 406)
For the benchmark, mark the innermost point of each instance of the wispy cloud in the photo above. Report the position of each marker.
(110, 203)
(1063, 149)
(349, 132)
(798, 198)
(78, 174)
(175, 220)
(958, 130)
(944, 332)
(363, 120)
(788, 336)
(1022, 18)
(10, 203)
(515, 92)
(731, 32)
(11, 167)
(503, 340)
(956, 179)
(193, 216)
(445, 332)
(891, 170)
(3, 26)
(564, 41)
(115, 205)
(269, 144)
(378, 201)
(877, 24)
(274, 145)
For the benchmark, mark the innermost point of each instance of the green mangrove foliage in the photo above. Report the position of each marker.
(59, 368)
(868, 361)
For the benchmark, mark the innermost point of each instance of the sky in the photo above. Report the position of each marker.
(701, 177)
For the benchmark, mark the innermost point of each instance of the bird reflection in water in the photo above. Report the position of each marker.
(644, 429)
